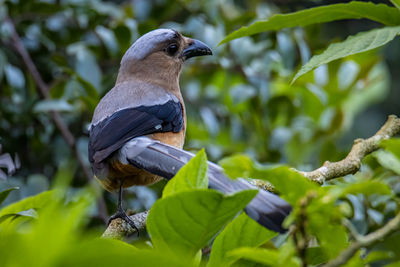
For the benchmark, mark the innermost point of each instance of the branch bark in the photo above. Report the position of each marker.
(55, 116)
(365, 241)
(361, 147)
(118, 228)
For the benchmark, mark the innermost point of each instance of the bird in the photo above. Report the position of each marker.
(137, 132)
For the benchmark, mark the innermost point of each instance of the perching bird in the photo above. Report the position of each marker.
(138, 128)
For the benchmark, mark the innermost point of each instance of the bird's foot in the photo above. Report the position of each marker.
(122, 214)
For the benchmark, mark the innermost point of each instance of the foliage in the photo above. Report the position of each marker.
(188, 219)
(355, 44)
(239, 102)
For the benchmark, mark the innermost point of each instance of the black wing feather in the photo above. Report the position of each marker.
(113, 132)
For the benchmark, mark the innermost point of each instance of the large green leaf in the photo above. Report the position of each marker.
(354, 10)
(191, 176)
(358, 43)
(241, 232)
(34, 202)
(186, 221)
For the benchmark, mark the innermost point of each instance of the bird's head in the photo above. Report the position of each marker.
(158, 56)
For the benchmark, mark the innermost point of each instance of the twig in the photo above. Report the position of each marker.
(365, 241)
(55, 116)
(119, 228)
(362, 147)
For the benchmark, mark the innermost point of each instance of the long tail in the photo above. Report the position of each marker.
(266, 208)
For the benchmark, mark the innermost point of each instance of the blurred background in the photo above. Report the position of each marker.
(238, 101)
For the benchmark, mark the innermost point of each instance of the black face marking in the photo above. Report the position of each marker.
(112, 133)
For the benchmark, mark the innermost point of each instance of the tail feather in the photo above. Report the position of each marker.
(266, 208)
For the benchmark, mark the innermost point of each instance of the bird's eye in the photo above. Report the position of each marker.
(172, 49)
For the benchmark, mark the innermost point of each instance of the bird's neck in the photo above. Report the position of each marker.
(165, 76)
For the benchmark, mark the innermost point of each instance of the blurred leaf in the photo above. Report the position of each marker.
(31, 213)
(396, 3)
(358, 43)
(48, 105)
(355, 261)
(237, 166)
(14, 76)
(108, 252)
(366, 187)
(315, 256)
(192, 175)
(185, 222)
(377, 256)
(264, 256)
(123, 35)
(353, 10)
(86, 64)
(34, 202)
(108, 38)
(241, 232)
(4, 194)
(324, 221)
(388, 160)
(392, 145)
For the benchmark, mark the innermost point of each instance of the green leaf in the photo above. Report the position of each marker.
(237, 166)
(366, 187)
(358, 43)
(354, 10)
(191, 176)
(241, 232)
(31, 213)
(264, 256)
(4, 194)
(290, 184)
(396, 3)
(315, 256)
(109, 252)
(392, 145)
(34, 202)
(388, 160)
(324, 221)
(187, 221)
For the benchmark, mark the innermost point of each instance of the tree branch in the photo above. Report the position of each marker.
(118, 228)
(55, 116)
(365, 241)
(361, 147)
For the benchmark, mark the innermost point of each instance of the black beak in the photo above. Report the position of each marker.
(195, 49)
